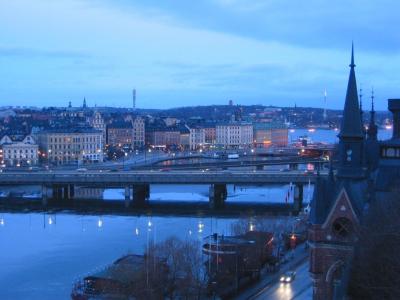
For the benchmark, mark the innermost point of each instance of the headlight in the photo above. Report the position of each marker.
(282, 278)
(288, 279)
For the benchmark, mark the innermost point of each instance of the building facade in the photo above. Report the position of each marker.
(197, 137)
(17, 152)
(138, 133)
(98, 123)
(210, 133)
(71, 146)
(234, 134)
(268, 134)
(120, 134)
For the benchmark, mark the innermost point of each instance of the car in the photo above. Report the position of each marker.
(288, 277)
(81, 170)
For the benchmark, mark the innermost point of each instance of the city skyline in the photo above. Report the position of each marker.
(261, 53)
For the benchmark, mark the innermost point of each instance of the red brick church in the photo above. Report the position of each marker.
(363, 174)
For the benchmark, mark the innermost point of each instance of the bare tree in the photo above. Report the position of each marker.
(184, 275)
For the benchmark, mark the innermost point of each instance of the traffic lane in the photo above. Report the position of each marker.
(297, 289)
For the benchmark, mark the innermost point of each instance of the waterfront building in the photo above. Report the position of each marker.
(71, 145)
(120, 134)
(97, 122)
(164, 137)
(15, 151)
(268, 134)
(234, 134)
(210, 134)
(184, 137)
(197, 137)
(138, 133)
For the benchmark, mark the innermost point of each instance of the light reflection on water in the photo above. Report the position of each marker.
(43, 254)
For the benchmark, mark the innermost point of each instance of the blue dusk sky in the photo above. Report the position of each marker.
(196, 52)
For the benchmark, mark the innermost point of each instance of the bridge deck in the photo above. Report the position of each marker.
(109, 179)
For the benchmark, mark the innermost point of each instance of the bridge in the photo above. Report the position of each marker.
(137, 183)
(293, 163)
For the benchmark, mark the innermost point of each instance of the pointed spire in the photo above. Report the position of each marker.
(352, 134)
(352, 65)
(351, 122)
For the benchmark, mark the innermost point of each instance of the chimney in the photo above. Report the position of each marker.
(394, 107)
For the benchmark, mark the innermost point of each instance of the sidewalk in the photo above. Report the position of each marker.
(300, 255)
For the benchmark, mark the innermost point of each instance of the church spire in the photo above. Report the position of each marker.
(351, 122)
(372, 128)
(352, 135)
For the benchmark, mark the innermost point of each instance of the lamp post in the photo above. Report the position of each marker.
(48, 156)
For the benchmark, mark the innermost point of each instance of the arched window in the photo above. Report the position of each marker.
(342, 228)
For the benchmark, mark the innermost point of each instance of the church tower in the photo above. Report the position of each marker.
(338, 203)
(351, 136)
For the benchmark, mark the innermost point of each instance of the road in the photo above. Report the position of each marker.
(299, 289)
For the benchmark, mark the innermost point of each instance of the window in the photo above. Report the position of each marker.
(390, 152)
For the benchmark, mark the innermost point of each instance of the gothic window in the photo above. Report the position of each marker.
(342, 228)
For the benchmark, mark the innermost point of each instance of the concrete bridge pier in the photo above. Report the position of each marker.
(56, 192)
(65, 189)
(71, 191)
(44, 195)
(298, 197)
(62, 192)
(141, 193)
(217, 196)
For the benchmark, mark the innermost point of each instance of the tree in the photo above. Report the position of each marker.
(183, 276)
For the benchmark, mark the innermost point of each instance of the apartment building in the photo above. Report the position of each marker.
(16, 151)
(71, 146)
(234, 134)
